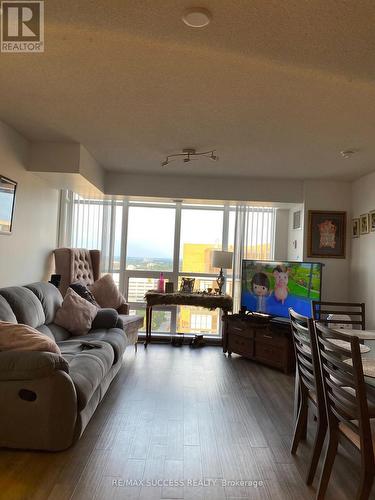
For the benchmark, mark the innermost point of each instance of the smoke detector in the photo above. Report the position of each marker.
(197, 17)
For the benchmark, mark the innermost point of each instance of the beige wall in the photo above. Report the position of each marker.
(25, 254)
(362, 266)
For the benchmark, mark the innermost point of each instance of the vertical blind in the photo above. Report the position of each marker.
(254, 238)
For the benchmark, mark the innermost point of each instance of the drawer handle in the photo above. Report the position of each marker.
(237, 329)
(267, 336)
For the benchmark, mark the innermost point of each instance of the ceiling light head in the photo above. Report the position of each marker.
(347, 153)
(164, 163)
(213, 157)
(197, 17)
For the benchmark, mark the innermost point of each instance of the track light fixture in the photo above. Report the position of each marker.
(190, 154)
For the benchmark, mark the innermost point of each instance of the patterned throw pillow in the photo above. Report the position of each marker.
(84, 292)
(76, 314)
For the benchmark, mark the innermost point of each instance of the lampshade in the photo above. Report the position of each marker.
(222, 259)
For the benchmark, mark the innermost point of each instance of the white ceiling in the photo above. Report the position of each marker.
(279, 88)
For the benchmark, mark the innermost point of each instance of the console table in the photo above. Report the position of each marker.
(261, 339)
(208, 301)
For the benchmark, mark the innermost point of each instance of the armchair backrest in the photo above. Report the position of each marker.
(77, 264)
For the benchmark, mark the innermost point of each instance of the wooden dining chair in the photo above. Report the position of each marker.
(333, 313)
(310, 387)
(349, 404)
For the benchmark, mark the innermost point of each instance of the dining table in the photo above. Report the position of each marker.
(361, 334)
(368, 356)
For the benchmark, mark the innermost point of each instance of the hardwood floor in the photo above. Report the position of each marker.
(179, 415)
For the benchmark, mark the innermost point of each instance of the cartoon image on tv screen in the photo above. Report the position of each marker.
(273, 287)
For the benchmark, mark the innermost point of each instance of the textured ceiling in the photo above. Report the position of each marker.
(279, 88)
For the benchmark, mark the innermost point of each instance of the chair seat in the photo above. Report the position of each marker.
(353, 437)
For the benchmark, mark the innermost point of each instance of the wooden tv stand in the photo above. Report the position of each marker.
(261, 339)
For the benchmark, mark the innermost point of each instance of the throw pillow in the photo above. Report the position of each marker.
(17, 337)
(84, 292)
(76, 314)
(106, 292)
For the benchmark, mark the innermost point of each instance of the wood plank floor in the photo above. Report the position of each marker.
(181, 423)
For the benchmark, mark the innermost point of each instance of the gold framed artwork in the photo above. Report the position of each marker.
(372, 220)
(326, 234)
(355, 228)
(364, 224)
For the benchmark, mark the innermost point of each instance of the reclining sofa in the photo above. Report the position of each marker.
(47, 400)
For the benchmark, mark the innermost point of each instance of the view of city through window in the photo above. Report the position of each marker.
(174, 239)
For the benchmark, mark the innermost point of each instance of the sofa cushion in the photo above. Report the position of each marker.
(76, 314)
(17, 337)
(115, 337)
(59, 333)
(89, 363)
(50, 298)
(46, 331)
(6, 313)
(25, 305)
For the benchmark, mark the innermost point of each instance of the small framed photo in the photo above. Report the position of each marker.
(326, 234)
(364, 224)
(372, 220)
(297, 219)
(355, 228)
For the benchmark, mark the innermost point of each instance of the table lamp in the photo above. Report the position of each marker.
(223, 260)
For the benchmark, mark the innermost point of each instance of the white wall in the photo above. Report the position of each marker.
(205, 188)
(25, 255)
(330, 195)
(362, 266)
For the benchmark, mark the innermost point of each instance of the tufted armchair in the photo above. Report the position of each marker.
(78, 264)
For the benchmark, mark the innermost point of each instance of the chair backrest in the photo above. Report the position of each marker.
(307, 358)
(340, 314)
(344, 384)
(77, 264)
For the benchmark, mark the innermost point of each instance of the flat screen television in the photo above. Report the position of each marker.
(272, 287)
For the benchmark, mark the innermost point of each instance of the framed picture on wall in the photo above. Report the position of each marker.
(355, 228)
(297, 219)
(372, 220)
(326, 234)
(7, 204)
(364, 224)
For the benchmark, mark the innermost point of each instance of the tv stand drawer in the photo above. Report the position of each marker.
(241, 345)
(271, 337)
(270, 354)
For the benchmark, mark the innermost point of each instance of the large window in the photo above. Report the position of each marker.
(139, 240)
(150, 238)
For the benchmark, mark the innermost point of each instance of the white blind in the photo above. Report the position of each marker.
(254, 239)
(86, 223)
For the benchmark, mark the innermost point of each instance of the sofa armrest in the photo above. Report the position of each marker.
(29, 365)
(105, 318)
(123, 309)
